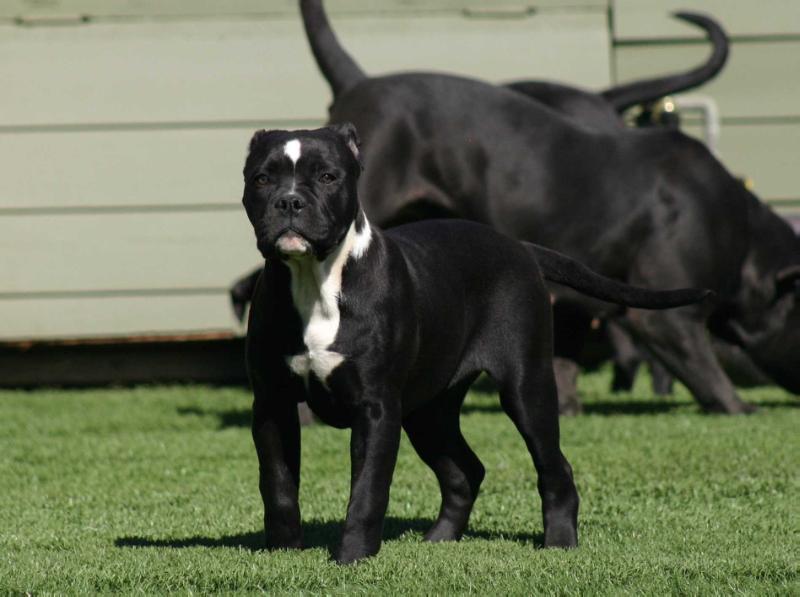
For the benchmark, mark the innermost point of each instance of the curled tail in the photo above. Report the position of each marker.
(338, 67)
(564, 270)
(648, 90)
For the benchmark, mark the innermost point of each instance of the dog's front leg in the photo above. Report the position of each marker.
(373, 451)
(276, 433)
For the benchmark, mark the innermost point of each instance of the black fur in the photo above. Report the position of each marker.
(424, 310)
(649, 207)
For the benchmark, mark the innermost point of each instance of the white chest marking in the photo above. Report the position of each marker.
(316, 288)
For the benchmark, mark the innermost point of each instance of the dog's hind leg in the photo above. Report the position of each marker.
(682, 343)
(435, 433)
(529, 398)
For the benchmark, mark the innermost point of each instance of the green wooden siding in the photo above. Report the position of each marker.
(648, 19)
(756, 92)
(124, 123)
(115, 9)
(761, 79)
(123, 137)
(47, 317)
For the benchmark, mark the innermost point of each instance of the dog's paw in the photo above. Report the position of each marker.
(563, 536)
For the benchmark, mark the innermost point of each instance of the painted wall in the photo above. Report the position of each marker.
(123, 127)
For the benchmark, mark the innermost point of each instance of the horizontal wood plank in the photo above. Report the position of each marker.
(88, 317)
(111, 252)
(161, 167)
(760, 79)
(262, 69)
(650, 20)
(10, 9)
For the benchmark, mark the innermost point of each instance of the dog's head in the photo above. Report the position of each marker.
(300, 190)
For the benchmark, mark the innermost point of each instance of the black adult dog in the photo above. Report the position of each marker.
(382, 330)
(651, 207)
(601, 111)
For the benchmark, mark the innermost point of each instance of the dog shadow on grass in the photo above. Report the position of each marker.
(321, 534)
(234, 417)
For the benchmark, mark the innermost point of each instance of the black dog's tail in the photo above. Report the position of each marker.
(338, 67)
(623, 97)
(564, 270)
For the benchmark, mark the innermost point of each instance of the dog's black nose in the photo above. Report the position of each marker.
(290, 204)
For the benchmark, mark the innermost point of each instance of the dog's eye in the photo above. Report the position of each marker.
(261, 180)
(327, 178)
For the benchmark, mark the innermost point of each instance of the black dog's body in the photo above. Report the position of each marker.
(383, 330)
(650, 207)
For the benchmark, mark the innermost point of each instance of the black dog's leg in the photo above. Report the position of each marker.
(571, 326)
(435, 433)
(626, 358)
(276, 433)
(682, 344)
(662, 379)
(373, 451)
(530, 401)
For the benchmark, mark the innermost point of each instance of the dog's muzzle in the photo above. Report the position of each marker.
(292, 244)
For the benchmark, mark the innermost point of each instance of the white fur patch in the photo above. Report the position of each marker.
(363, 240)
(316, 287)
(292, 150)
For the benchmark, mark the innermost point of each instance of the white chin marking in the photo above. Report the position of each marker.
(292, 150)
(290, 243)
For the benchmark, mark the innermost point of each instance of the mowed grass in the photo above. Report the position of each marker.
(154, 490)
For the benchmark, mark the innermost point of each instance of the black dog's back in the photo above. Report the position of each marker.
(432, 246)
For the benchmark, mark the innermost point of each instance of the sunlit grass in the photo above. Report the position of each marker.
(154, 490)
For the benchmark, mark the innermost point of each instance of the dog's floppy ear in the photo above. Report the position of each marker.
(347, 131)
(787, 280)
(259, 138)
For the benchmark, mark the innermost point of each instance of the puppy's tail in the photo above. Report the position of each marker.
(564, 270)
(338, 67)
(623, 97)
(241, 293)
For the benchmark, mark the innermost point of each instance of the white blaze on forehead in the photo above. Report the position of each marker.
(292, 150)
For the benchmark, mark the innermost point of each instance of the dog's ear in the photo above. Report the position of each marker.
(347, 131)
(787, 280)
(260, 138)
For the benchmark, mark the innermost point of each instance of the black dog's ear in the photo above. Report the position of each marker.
(347, 131)
(259, 138)
(787, 280)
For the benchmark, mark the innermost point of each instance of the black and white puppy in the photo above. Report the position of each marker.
(380, 331)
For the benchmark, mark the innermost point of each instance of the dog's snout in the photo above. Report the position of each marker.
(290, 204)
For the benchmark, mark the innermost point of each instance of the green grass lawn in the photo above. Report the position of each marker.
(154, 490)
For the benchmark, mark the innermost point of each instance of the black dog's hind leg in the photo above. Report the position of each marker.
(374, 442)
(627, 357)
(571, 327)
(435, 433)
(529, 398)
(662, 379)
(682, 344)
